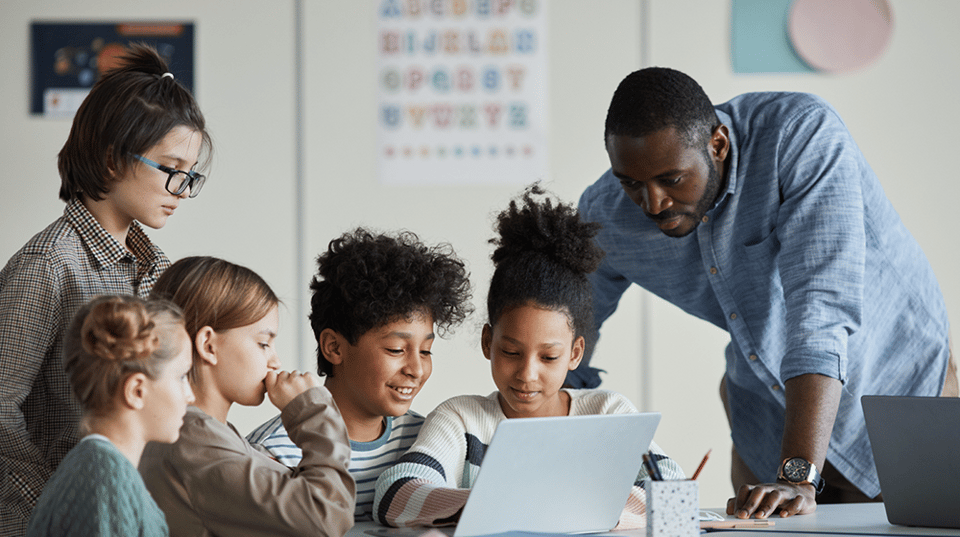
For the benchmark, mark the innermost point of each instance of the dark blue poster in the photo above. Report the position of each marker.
(68, 57)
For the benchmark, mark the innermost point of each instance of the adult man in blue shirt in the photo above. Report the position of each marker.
(761, 216)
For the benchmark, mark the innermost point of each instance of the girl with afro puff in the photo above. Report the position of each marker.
(539, 308)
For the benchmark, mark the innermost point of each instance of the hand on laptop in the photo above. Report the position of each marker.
(760, 501)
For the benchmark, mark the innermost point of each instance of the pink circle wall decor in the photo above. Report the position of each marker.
(837, 36)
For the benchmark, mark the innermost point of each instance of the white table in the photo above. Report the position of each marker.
(861, 519)
(841, 519)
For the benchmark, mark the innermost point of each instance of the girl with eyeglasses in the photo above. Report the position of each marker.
(128, 161)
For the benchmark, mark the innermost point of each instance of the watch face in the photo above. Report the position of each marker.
(796, 470)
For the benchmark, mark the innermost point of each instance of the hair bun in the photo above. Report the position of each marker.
(540, 224)
(141, 58)
(118, 330)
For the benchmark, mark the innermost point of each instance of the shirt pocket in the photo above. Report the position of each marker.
(761, 289)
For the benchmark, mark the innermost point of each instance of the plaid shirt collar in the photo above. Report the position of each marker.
(106, 249)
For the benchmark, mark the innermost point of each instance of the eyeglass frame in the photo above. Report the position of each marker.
(193, 178)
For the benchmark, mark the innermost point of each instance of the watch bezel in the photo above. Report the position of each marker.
(799, 471)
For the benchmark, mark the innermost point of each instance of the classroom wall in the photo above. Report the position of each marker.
(902, 111)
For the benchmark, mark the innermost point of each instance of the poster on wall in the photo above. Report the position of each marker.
(68, 57)
(461, 92)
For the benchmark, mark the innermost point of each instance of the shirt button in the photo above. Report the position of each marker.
(753, 357)
(733, 316)
(775, 387)
(706, 218)
(713, 270)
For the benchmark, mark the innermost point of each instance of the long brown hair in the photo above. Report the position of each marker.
(216, 293)
(114, 337)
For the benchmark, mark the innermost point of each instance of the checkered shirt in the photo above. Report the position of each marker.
(41, 288)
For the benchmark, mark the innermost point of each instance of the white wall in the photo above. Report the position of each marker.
(902, 111)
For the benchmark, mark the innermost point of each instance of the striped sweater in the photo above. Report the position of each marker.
(430, 483)
(367, 459)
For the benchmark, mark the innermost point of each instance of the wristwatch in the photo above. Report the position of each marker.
(799, 471)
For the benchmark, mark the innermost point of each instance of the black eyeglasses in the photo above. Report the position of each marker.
(179, 180)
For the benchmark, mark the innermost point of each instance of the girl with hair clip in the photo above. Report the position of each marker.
(539, 308)
(128, 161)
(127, 361)
(211, 481)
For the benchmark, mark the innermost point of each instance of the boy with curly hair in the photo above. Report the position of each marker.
(376, 300)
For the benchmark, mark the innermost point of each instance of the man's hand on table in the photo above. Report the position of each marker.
(760, 501)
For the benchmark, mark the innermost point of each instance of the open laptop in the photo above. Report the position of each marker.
(557, 475)
(916, 446)
(553, 475)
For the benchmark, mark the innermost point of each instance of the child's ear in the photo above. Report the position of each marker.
(331, 346)
(577, 352)
(134, 391)
(486, 339)
(111, 164)
(206, 345)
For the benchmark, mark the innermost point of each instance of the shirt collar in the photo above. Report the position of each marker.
(106, 249)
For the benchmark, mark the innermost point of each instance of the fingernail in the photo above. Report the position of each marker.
(742, 513)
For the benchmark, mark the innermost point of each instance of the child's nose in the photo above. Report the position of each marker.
(413, 366)
(528, 371)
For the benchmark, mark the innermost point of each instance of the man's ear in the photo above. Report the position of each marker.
(486, 340)
(133, 391)
(206, 345)
(332, 345)
(720, 143)
(577, 352)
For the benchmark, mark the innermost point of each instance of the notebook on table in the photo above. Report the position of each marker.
(916, 446)
(553, 475)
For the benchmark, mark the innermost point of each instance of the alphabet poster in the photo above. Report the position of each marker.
(461, 92)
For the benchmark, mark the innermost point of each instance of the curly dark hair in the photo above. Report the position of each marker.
(652, 99)
(544, 253)
(366, 280)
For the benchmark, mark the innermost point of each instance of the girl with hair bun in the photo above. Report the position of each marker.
(539, 309)
(129, 161)
(127, 361)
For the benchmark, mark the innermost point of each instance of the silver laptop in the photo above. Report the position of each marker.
(916, 446)
(557, 475)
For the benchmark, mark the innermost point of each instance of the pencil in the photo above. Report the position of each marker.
(702, 463)
(652, 469)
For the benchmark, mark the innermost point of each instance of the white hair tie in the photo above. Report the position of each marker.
(166, 75)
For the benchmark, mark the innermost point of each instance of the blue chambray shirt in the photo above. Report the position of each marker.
(804, 261)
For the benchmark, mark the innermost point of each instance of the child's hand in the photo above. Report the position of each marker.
(283, 387)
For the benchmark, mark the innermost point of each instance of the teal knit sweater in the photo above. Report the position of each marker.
(96, 492)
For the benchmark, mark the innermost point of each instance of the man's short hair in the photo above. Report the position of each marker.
(655, 98)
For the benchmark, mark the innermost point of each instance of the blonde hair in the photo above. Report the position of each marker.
(112, 338)
(216, 293)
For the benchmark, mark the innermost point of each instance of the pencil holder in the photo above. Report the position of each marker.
(673, 508)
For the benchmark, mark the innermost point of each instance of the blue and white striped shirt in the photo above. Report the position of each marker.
(807, 265)
(367, 461)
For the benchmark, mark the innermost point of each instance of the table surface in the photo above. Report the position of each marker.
(843, 519)
(865, 519)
